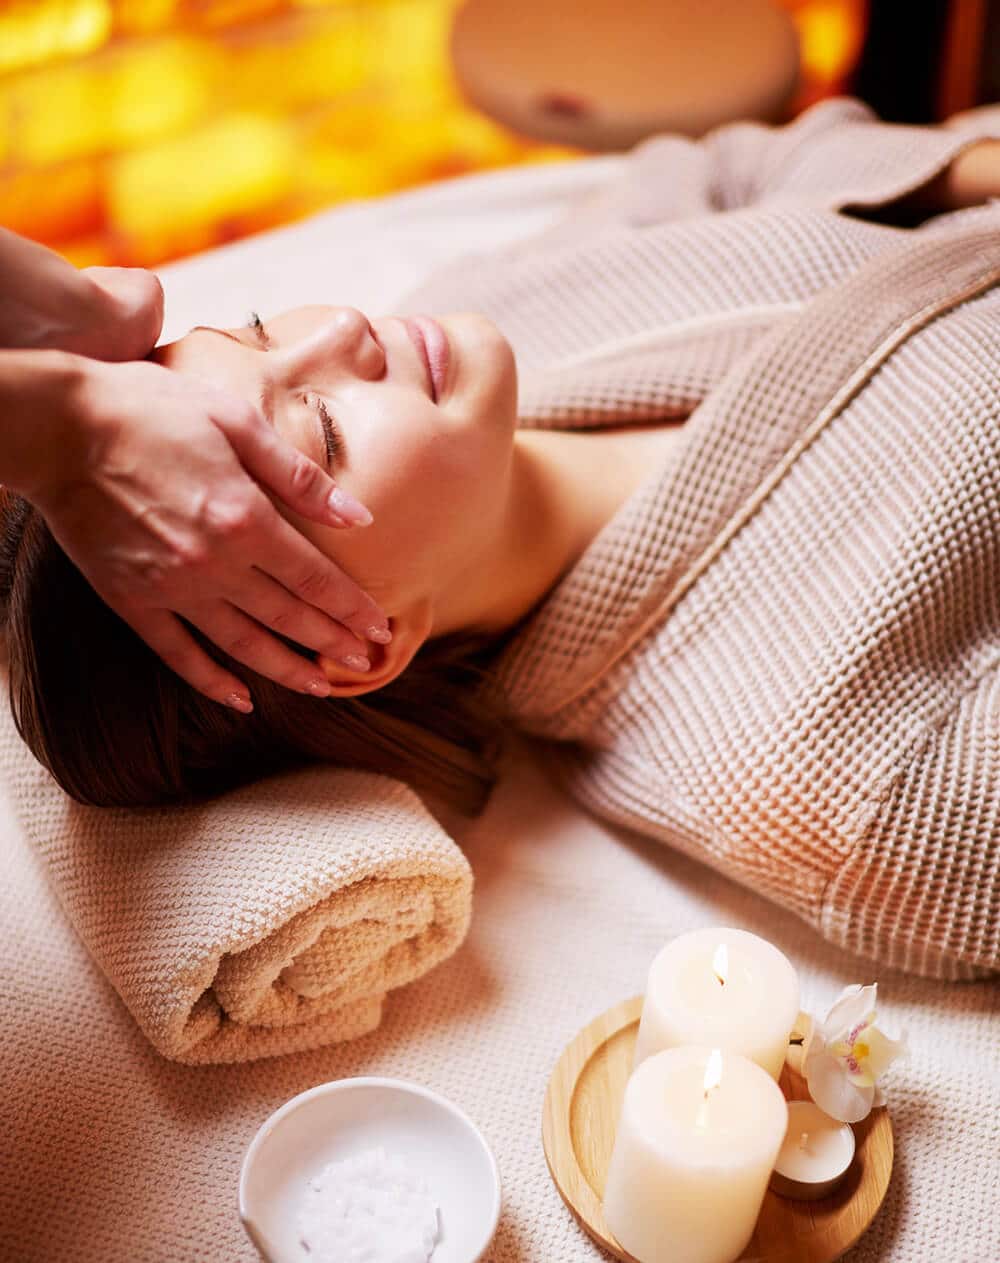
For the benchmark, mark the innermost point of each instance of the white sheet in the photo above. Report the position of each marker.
(567, 916)
(367, 254)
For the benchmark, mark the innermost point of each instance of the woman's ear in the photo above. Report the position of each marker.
(410, 631)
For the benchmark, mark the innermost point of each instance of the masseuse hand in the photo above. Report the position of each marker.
(109, 313)
(150, 489)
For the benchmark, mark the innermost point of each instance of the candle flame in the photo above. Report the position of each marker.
(720, 964)
(713, 1071)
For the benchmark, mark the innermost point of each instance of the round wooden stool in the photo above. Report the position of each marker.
(604, 74)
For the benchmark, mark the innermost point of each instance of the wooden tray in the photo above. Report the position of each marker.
(582, 1105)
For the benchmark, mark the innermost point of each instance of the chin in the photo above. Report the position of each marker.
(477, 336)
(487, 368)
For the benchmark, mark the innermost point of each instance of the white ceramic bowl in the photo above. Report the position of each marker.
(341, 1119)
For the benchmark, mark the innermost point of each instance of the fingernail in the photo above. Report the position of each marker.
(356, 662)
(337, 520)
(380, 635)
(345, 506)
(320, 687)
(240, 702)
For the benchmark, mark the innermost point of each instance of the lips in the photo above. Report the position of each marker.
(438, 348)
(433, 348)
(417, 338)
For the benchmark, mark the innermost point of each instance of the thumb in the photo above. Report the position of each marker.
(135, 308)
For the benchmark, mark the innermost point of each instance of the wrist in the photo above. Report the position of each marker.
(47, 396)
(46, 303)
(84, 321)
(970, 179)
(974, 175)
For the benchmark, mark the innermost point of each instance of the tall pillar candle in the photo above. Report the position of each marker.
(696, 1142)
(723, 988)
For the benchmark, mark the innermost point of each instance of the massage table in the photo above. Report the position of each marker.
(112, 1153)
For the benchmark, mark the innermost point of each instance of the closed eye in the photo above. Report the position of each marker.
(256, 325)
(331, 433)
(332, 438)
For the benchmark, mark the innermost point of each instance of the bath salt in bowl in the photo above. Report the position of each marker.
(368, 1209)
(370, 1168)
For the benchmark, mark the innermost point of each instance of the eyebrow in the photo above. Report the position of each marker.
(266, 398)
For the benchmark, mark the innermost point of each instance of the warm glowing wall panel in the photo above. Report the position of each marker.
(139, 130)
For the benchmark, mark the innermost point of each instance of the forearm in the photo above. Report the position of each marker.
(970, 179)
(838, 155)
(41, 393)
(45, 302)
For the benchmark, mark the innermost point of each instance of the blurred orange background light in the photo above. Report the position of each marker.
(135, 131)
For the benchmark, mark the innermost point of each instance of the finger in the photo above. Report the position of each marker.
(168, 638)
(295, 479)
(295, 563)
(253, 645)
(137, 298)
(275, 608)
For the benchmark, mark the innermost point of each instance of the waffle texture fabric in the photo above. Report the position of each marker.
(814, 714)
(782, 655)
(269, 921)
(112, 1154)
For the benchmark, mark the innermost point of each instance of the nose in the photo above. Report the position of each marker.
(343, 337)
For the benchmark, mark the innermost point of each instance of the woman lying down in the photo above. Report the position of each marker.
(703, 486)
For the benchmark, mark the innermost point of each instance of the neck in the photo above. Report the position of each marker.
(564, 487)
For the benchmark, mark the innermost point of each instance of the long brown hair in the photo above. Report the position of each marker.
(116, 727)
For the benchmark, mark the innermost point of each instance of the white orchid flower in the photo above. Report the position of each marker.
(844, 1057)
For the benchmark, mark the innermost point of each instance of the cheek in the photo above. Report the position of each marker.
(368, 555)
(412, 462)
(442, 478)
(424, 492)
(430, 502)
(435, 480)
(406, 480)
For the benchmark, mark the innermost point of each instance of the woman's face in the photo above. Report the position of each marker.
(359, 400)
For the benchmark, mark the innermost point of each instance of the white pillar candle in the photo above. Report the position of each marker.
(724, 988)
(691, 1161)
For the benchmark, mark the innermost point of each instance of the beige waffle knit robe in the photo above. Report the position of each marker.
(781, 655)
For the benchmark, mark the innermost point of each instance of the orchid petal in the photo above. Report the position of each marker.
(855, 1007)
(882, 1052)
(862, 1077)
(833, 1091)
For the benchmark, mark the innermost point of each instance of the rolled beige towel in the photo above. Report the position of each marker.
(271, 920)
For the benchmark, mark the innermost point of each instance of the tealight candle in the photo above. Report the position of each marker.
(696, 1141)
(722, 988)
(815, 1155)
